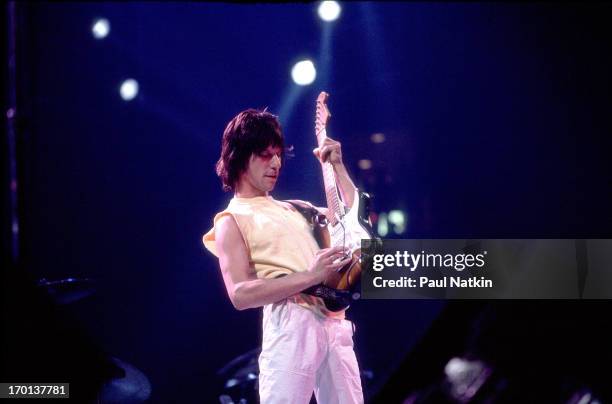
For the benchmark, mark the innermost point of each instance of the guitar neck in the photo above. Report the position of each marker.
(332, 197)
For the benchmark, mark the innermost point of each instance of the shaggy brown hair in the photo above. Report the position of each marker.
(250, 132)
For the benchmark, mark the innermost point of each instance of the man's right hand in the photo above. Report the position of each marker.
(326, 261)
(245, 289)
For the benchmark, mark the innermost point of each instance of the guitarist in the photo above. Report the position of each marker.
(268, 255)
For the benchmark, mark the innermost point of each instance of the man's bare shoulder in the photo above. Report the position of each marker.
(226, 226)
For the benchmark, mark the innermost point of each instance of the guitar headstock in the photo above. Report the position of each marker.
(322, 114)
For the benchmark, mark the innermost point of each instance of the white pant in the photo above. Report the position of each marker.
(302, 352)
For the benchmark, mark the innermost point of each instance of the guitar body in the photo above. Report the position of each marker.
(349, 231)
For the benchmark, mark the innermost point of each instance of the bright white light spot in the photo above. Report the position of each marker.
(396, 216)
(377, 138)
(129, 89)
(100, 28)
(303, 73)
(398, 219)
(329, 10)
(231, 383)
(364, 164)
(454, 368)
(383, 226)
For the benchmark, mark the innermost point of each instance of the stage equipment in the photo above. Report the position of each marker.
(68, 290)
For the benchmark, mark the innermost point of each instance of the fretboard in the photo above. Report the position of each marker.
(331, 189)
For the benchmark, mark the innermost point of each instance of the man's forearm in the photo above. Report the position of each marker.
(347, 188)
(259, 292)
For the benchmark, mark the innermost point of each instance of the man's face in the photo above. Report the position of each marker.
(263, 170)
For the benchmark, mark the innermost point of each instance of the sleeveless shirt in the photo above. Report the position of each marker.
(279, 241)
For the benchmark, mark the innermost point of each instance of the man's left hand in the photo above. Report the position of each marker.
(330, 151)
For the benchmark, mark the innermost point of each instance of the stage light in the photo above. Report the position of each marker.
(398, 219)
(377, 138)
(231, 383)
(329, 10)
(100, 28)
(303, 73)
(129, 89)
(383, 226)
(364, 164)
(465, 378)
(455, 368)
(584, 396)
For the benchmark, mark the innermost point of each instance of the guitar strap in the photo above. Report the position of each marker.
(314, 217)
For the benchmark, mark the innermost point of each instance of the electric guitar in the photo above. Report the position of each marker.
(344, 227)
